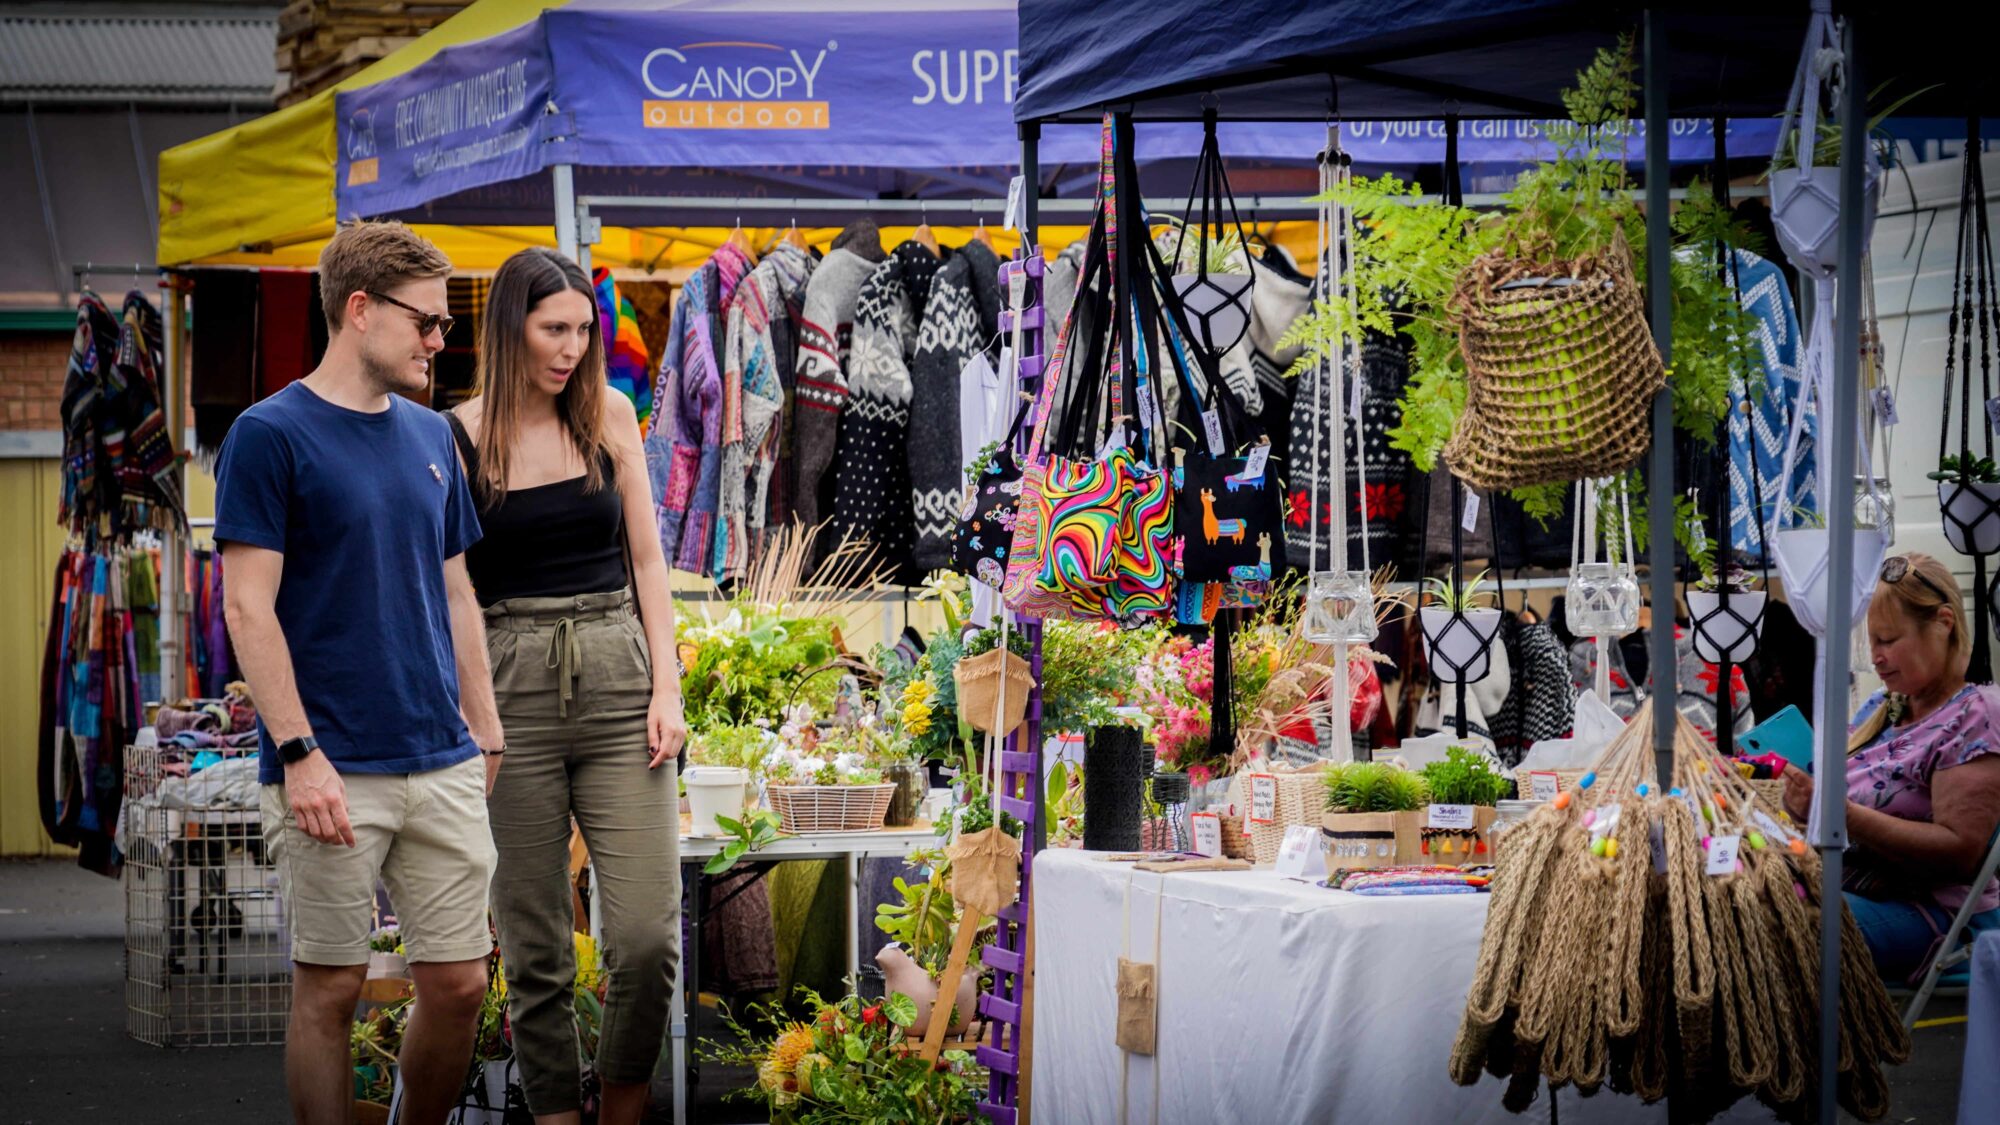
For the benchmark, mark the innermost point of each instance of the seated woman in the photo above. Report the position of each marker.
(1923, 772)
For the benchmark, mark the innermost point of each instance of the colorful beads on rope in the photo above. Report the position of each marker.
(1561, 800)
(1642, 789)
(1587, 780)
(1757, 840)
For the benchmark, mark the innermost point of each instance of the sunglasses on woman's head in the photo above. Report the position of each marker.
(425, 321)
(1895, 568)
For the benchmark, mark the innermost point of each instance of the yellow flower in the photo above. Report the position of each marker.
(806, 1067)
(916, 719)
(792, 1044)
(918, 691)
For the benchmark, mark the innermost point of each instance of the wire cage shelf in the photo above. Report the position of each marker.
(207, 951)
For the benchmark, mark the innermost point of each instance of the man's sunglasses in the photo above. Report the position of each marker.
(1895, 568)
(425, 321)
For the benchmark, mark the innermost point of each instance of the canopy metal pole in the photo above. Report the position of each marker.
(1660, 469)
(565, 185)
(174, 544)
(1830, 761)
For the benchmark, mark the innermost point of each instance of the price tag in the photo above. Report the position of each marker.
(1113, 441)
(1451, 816)
(1543, 785)
(1357, 389)
(1212, 425)
(1296, 854)
(1207, 833)
(1470, 521)
(1605, 822)
(1149, 412)
(1009, 373)
(1699, 531)
(1017, 290)
(1771, 828)
(1017, 215)
(1694, 810)
(1253, 465)
(1722, 854)
(1885, 406)
(1263, 799)
(1993, 413)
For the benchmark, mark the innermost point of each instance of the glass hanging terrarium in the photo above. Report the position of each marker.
(1339, 603)
(1602, 598)
(1216, 294)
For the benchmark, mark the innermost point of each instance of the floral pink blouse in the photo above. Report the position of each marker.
(1894, 773)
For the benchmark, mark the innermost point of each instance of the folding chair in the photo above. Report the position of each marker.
(1950, 954)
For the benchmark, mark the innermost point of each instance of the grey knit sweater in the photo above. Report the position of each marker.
(872, 478)
(824, 331)
(960, 320)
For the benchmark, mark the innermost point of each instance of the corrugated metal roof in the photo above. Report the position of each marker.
(155, 59)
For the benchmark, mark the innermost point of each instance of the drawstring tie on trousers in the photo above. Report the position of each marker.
(565, 656)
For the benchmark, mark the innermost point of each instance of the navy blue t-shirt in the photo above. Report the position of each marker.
(366, 508)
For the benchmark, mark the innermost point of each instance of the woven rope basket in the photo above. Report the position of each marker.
(805, 809)
(1559, 377)
(1301, 800)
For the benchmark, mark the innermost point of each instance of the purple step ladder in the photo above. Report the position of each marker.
(1020, 793)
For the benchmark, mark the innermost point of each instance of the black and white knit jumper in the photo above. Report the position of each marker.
(960, 320)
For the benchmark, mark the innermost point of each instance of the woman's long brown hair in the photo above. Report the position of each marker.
(503, 382)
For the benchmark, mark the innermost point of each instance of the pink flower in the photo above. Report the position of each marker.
(1199, 775)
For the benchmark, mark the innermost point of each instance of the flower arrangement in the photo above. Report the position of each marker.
(847, 1063)
(838, 756)
(738, 746)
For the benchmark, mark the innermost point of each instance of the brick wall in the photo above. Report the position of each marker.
(31, 379)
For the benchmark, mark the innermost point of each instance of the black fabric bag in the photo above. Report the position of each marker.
(986, 522)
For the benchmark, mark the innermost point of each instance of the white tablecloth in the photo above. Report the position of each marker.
(1279, 1001)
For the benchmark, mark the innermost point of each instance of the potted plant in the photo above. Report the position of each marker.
(832, 782)
(1969, 495)
(922, 926)
(722, 762)
(385, 955)
(849, 1061)
(1731, 635)
(1802, 550)
(1459, 623)
(1372, 817)
(1465, 790)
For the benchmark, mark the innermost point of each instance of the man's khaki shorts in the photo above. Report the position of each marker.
(423, 834)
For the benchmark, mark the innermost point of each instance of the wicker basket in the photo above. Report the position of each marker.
(1301, 800)
(1235, 843)
(806, 809)
(1560, 366)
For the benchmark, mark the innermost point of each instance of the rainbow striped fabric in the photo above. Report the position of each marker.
(626, 365)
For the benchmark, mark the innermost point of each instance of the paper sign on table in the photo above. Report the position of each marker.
(1207, 833)
(1263, 798)
(1543, 785)
(1296, 854)
(1722, 854)
(1451, 816)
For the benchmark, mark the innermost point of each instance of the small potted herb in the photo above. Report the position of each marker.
(1459, 622)
(1372, 816)
(1969, 496)
(385, 955)
(1465, 789)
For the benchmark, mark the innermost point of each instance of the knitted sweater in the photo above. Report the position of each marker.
(871, 499)
(753, 399)
(698, 534)
(960, 320)
(824, 330)
(673, 447)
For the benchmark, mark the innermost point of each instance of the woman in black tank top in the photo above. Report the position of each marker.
(580, 636)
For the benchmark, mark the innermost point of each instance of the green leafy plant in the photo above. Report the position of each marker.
(388, 939)
(1368, 787)
(374, 1042)
(982, 460)
(758, 829)
(1408, 256)
(924, 921)
(979, 817)
(1826, 147)
(736, 746)
(1966, 470)
(1447, 595)
(847, 1065)
(749, 665)
(1465, 777)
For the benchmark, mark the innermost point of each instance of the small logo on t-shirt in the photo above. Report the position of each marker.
(435, 474)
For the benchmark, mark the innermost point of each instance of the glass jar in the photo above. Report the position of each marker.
(912, 786)
(1602, 600)
(1875, 508)
(1340, 608)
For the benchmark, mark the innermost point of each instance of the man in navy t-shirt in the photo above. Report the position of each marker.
(344, 517)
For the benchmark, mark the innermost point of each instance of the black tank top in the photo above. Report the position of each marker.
(551, 541)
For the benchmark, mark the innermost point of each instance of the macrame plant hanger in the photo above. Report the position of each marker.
(1217, 304)
(1444, 666)
(1971, 508)
(1601, 599)
(1340, 603)
(1725, 623)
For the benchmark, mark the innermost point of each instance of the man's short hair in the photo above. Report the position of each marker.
(373, 257)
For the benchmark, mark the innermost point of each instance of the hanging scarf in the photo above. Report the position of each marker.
(626, 364)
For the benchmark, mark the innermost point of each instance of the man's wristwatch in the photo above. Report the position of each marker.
(296, 749)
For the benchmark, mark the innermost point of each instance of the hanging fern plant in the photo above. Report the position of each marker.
(1408, 255)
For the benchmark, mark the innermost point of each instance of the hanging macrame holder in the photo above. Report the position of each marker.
(1601, 600)
(1971, 509)
(1339, 603)
(1217, 304)
(1805, 199)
